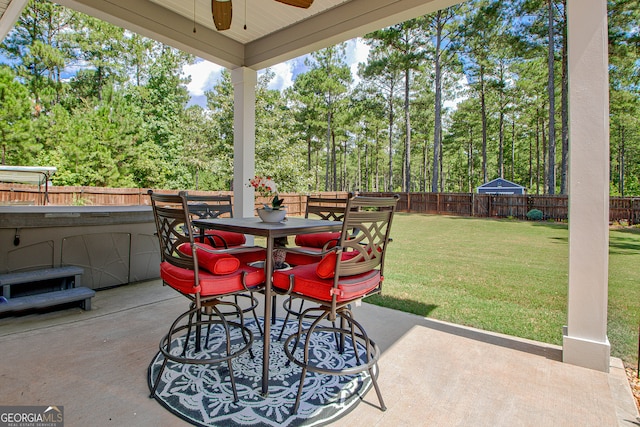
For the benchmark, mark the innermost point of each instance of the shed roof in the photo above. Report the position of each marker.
(500, 183)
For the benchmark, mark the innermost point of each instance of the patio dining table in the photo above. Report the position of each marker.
(271, 231)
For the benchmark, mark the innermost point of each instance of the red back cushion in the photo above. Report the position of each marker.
(326, 268)
(222, 237)
(318, 240)
(214, 263)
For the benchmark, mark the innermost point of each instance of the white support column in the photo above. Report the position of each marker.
(244, 139)
(585, 340)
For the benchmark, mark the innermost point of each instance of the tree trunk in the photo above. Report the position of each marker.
(470, 161)
(441, 168)
(513, 148)
(531, 162)
(565, 106)
(621, 163)
(551, 165)
(328, 165)
(544, 159)
(309, 151)
(501, 128)
(376, 184)
(483, 109)
(390, 185)
(438, 106)
(538, 119)
(334, 162)
(407, 133)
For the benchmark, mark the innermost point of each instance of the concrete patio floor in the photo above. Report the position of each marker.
(431, 373)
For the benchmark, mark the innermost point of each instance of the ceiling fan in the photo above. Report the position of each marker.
(221, 11)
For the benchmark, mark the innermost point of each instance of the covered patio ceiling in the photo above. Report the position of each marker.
(276, 33)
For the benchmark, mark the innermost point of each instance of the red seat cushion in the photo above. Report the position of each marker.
(308, 283)
(318, 240)
(182, 280)
(221, 237)
(214, 263)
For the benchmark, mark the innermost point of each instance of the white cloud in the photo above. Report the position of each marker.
(283, 76)
(357, 52)
(462, 86)
(203, 74)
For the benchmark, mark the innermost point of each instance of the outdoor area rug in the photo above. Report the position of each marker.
(202, 394)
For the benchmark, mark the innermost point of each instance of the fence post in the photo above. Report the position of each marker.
(473, 204)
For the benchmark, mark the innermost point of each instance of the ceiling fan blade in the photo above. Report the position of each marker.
(297, 3)
(221, 11)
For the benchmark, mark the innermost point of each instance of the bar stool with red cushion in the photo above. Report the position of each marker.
(311, 247)
(204, 277)
(352, 270)
(219, 206)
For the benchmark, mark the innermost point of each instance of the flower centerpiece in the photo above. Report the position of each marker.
(266, 187)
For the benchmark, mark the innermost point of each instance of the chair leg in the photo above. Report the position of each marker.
(297, 404)
(186, 340)
(255, 316)
(286, 319)
(307, 343)
(225, 325)
(227, 354)
(233, 381)
(370, 351)
(155, 385)
(288, 310)
(168, 349)
(198, 331)
(244, 332)
(383, 407)
(358, 336)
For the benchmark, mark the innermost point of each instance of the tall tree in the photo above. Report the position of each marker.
(38, 48)
(384, 75)
(551, 93)
(405, 45)
(330, 77)
(480, 28)
(15, 120)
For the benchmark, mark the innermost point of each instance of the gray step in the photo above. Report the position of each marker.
(70, 275)
(48, 299)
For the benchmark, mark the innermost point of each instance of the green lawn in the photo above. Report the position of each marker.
(504, 276)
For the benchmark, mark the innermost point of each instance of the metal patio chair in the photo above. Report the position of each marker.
(204, 277)
(353, 269)
(219, 206)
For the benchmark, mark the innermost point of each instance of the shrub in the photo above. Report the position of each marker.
(535, 215)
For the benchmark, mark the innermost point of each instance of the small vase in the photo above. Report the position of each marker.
(270, 215)
(279, 255)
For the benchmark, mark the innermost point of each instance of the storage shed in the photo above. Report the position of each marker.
(501, 186)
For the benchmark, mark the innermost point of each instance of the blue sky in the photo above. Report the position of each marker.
(204, 74)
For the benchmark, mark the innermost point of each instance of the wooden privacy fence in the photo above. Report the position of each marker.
(556, 208)
(21, 194)
(621, 209)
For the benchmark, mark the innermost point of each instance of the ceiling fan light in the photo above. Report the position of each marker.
(221, 11)
(298, 3)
